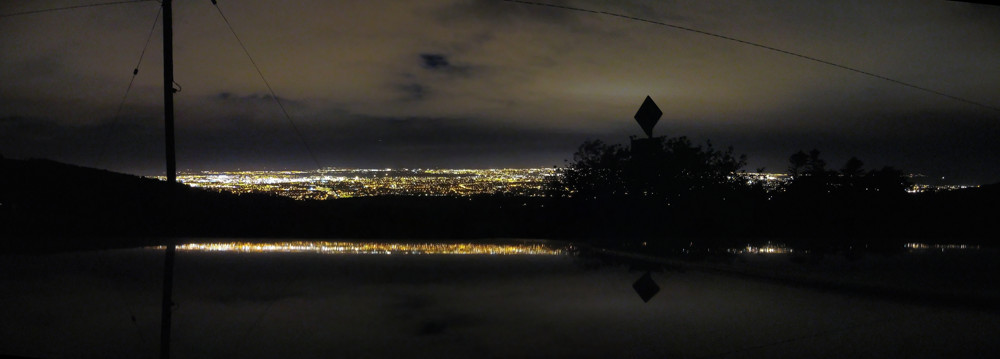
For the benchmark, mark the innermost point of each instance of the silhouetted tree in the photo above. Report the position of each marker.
(809, 174)
(852, 168)
(597, 171)
(797, 162)
(886, 181)
(851, 177)
(657, 168)
(815, 166)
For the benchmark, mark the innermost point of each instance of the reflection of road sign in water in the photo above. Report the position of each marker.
(646, 287)
(647, 115)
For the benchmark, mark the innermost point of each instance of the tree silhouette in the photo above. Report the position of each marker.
(597, 172)
(658, 168)
(797, 162)
(809, 174)
(852, 168)
(815, 166)
(887, 181)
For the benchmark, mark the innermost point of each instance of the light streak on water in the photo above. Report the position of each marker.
(916, 247)
(373, 248)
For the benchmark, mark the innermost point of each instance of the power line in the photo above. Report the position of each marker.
(269, 89)
(260, 317)
(31, 12)
(135, 72)
(766, 47)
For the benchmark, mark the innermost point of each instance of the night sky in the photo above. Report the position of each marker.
(489, 83)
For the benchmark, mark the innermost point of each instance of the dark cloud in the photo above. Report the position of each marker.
(252, 105)
(132, 143)
(30, 128)
(254, 99)
(413, 91)
(440, 142)
(440, 64)
(434, 61)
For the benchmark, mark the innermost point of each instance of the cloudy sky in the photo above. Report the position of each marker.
(489, 83)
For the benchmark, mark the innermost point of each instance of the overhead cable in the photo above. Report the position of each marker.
(121, 104)
(30, 12)
(766, 47)
(269, 88)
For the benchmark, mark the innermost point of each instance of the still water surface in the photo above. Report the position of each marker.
(546, 303)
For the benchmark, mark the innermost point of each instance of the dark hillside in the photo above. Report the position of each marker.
(50, 205)
(73, 206)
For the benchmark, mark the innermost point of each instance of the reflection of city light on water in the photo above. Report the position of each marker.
(324, 247)
(768, 248)
(916, 247)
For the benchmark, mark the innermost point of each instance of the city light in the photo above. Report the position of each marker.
(374, 248)
(921, 188)
(343, 183)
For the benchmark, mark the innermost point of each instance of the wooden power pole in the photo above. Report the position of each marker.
(168, 111)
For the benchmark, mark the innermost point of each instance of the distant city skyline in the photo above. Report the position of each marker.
(496, 84)
(343, 182)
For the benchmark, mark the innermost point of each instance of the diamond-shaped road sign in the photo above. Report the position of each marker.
(646, 287)
(647, 116)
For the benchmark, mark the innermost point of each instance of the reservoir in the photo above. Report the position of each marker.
(497, 299)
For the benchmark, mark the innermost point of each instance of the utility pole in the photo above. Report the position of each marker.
(168, 121)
